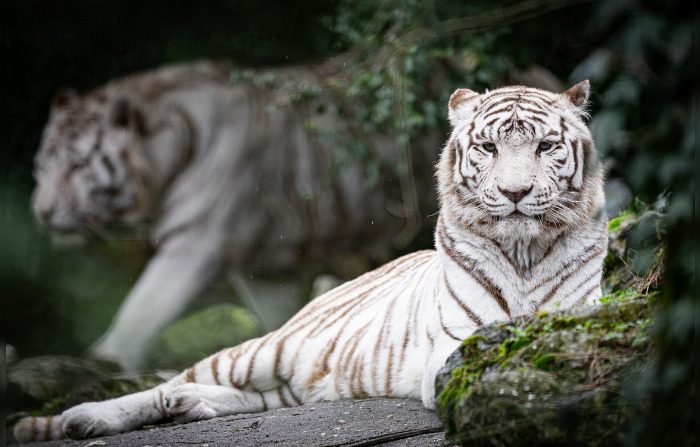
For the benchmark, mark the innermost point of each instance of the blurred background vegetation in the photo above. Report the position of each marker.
(403, 58)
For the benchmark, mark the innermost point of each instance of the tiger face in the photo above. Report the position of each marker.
(520, 159)
(90, 165)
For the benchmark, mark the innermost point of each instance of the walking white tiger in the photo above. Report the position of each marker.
(217, 167)
(522, 227)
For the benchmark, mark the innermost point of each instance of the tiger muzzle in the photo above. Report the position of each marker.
(516, 194)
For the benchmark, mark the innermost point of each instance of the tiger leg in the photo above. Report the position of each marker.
(241, 379)
(224, 383)
(194, 401)
(177, 398)
(172, 279)
(444, 346)
(96, 418)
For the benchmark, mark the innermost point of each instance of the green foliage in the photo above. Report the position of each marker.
(644, 75)
(641, 84)
(401, 69)
(636, 249)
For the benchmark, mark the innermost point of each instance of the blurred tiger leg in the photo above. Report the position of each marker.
(171, 280)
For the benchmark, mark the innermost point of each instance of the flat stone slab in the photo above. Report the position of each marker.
(349, 422)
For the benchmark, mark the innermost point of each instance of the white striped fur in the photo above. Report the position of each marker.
(387, 332)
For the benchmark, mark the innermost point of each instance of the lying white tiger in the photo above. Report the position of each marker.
(230, 179)
(522, 227)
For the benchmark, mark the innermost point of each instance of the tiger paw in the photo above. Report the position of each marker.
(93, 419)
(188, 402)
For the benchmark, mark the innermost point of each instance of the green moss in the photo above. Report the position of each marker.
(546, 379)
(202, 333)
(618, 221)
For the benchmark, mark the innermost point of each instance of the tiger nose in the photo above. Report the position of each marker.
(515, 195)
(45, 214)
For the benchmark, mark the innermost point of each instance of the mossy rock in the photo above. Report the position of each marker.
(548, 379)
(50, 384)
(202, 333)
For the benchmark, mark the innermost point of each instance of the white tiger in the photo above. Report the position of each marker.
(522, 227)
(230, 178)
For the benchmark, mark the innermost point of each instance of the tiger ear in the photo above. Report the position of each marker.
(63, 98)
(578, 94)
(125, 113)
(459, 107)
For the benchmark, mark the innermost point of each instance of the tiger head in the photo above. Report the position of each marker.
(90, 168)
(520, 161)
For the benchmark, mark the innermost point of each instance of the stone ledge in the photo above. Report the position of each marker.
(349, 422)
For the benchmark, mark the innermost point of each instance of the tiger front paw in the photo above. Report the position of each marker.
(187, 403)
(93, 419)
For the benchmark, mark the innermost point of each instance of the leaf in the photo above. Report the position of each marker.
(544, 361)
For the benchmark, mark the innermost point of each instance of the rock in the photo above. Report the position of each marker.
(51, 384)
(549, 379)
(367, 422)
(202, 333)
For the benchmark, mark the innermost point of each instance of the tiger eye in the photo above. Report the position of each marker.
(489, 147)
(544, 146)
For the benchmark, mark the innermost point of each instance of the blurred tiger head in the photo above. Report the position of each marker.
(520, 159)
(90, 170)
